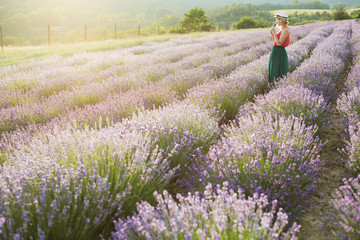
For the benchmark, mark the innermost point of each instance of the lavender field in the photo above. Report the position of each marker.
(184, 139)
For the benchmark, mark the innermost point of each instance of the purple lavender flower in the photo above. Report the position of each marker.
(330, 55)
(228, 94)
(220, 214)
(352, 147)
(346, 210)
(348, 105)
(291, 100)
(74, 183)
(276, 156)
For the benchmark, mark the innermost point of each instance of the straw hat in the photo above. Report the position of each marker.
(281, 14)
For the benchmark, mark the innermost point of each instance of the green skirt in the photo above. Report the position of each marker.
(278, 63)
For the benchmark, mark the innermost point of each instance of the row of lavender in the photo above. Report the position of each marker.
(228, 94)
(51, 185)
(43, 78)
(46, 93)
(135, 87)
(271, 150)
(122, 105)
(85, 85)
(347, 203)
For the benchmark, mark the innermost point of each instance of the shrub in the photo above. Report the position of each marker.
(340, 12)
(76, 190)
(276, 156)
(245, 22)
(220, 214)
(352, 147)
(292, 100)
(345, 214)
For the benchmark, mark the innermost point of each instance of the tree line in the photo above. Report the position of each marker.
(21, 29)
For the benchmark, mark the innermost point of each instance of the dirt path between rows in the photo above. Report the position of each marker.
(313, 227)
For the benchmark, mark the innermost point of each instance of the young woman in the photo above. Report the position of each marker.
(278, 62)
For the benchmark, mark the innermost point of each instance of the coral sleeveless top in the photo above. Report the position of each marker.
(286, 42)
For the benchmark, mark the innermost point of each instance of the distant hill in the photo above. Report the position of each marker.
(132, 6)
(146, 6)
(29, 18)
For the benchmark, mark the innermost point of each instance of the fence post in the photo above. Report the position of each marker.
(115, 31)
(139, 29)
(85, 33)
(1, 39)
(49, 42)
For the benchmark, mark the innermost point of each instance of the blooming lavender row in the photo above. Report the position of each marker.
(25, 84)
(181, 81)
(100, 66)
(275, 155)
(272, 148)
(345, 214)
(45, 109)
(43, 112)
(348, 105)
(69, 77)
(49, 177)
(327, 62)
(72, 155)
(294, 100)
(229, 93)
(118, 108)
(300, 51)
(79, 195)
(219, 214)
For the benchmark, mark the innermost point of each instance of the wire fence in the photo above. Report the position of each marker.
(53, 34)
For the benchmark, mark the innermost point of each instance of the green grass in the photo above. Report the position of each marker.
(16, 55)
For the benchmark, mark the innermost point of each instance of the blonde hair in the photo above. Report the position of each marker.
(283, 20)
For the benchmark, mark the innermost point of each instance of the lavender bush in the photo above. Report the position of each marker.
(276, 156)
(353, 77)
(81, 86)
(346, 210)
(348, 105)
(114, 77)
(185, 134)
(74, 163)
(102, 71)
(352, 147)
(220, 214)
(301, 50)
(227, 95)
(84, 184)
(155, 150)
(331, 55)
(292, 100)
